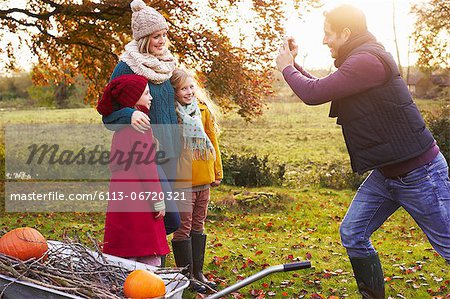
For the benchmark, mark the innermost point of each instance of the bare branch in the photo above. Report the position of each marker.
(45, 16)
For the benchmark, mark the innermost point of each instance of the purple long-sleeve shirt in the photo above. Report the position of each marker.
(358, 73)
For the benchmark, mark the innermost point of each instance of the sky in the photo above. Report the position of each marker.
(308, 31)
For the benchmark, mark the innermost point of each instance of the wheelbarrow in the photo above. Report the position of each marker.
(25, 290)
(17, 289)
(259, 275)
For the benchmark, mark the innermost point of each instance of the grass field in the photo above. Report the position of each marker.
(279, 224)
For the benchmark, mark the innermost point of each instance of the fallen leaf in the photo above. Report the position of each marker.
(255, 292)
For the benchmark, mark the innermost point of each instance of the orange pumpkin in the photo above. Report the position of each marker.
(143, 284)
(23, 243)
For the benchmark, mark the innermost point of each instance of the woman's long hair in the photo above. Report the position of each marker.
(144, 44)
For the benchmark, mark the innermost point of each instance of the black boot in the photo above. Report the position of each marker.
(163, 261)
(198, 256)
(369, 276)
(182, 251)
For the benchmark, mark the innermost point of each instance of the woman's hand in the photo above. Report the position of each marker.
(216, 183)
(160, 214)
(140, 121)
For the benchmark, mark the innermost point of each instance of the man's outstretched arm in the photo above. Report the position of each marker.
(358, 73)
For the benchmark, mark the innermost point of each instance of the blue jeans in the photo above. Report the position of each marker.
(172, 218)
(424, 193)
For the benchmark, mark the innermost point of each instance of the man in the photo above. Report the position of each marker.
(384, 132)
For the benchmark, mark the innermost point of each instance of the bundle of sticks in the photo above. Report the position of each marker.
(75, 269)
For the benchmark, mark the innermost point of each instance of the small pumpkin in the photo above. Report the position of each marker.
(141, 284)
(23, 243)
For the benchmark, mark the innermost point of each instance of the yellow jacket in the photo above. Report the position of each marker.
(203, 171)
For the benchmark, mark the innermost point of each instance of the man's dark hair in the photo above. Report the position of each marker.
(346, 16)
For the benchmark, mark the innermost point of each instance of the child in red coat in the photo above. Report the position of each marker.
(134, 226)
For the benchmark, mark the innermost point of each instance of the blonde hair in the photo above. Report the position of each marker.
(180, 76)
(144, 44)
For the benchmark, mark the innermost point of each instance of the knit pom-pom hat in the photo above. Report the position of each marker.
(145, 20)
(123, 91)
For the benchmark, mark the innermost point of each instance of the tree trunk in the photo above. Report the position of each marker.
(61, 95)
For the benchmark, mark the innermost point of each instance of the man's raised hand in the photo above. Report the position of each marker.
(293, 47)
(285, 57)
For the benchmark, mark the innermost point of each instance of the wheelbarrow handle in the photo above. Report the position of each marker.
(259, 275)
(296, 266)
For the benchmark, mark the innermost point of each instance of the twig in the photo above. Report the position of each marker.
(74, 268)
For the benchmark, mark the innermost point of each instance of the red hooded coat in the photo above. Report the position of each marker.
(131, 229)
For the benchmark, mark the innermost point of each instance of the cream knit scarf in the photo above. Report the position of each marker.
(157, 69)
(195, 137)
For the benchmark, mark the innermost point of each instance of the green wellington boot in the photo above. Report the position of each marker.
(182, 251)
(369, 276)
(198, 256)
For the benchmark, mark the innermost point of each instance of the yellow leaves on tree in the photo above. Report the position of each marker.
(232, 53)
(432, 30)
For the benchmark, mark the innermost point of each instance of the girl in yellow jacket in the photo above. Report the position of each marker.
(200, 167)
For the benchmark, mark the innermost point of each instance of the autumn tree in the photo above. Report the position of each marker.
(432, 33)
(231, 44)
